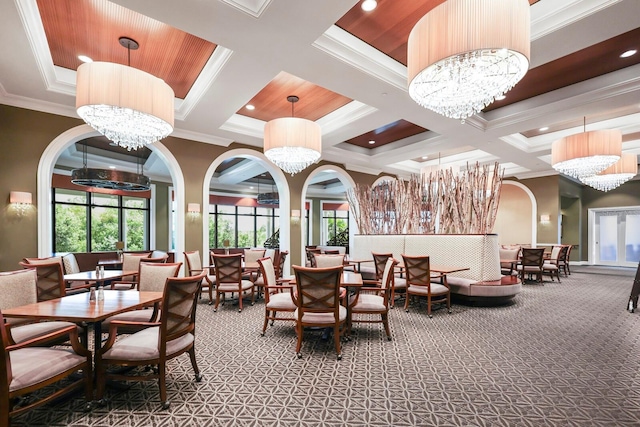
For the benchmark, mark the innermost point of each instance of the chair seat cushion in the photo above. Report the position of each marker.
(369, 303)
(31, 330)
(233, 287)
(322, 318)
(549, 267)
(529, 268)
(399, 282)
(143, 345)
(281, 301)
(130, 316)
(32, 365)
(436, 289)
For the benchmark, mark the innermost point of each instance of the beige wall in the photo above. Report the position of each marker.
(513, 220)
(545, 191)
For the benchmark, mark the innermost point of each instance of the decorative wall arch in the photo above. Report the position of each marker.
(346, 180)
(281, 184)
(45, 174)
(534, 208)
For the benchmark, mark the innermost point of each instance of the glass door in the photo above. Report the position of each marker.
(617, 237)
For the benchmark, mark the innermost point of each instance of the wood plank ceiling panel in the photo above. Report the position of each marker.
(93, 27)
(387, 134)
(271, 102)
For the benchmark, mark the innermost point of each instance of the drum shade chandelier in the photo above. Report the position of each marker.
(129, 106)
(616, 175)
(464, 53)
(292, 143)
(586, 154)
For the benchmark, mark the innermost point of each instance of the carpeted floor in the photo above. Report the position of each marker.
(563, 354)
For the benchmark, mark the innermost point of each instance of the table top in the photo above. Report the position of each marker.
(110, 262)
(78, 307)
(106, 275)
(444, 269)
(349, 278)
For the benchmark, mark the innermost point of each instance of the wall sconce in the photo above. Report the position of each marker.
(21, 202)
(545, 219)
(193, 210)
(295, 216)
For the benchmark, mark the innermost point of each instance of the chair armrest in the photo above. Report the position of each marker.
(71, 331)
(284, 281)
(113, 331)
(124, 282)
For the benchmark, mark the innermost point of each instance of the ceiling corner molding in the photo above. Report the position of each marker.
(344, 116)
(202, 137)
(536, 174)
(250, 7)
(550, 18)
(36, 104)
(212, 68)
(244, 125)
(362, 169)
(353, 51)
(518, 141)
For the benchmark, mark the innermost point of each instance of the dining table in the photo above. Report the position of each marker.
(80, 309)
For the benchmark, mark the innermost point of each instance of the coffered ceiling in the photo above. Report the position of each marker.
(346, 65)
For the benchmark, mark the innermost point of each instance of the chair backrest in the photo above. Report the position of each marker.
(324, 261)
(332, 251)
(228, 268)
(532, 257)
(380, 261)
(45, 260)
(18, 288)
(564, 252)
(568, 252)
(251, 257)
(152, 275)
(178, 315)
(193, 261)
(387, 274)
(555, 251)
(50, 279)
(70, 264)
(271, 253)
(157, 256)
(131, 262)
(269, 274)
(310, 255)
(282, 257)
(418, 270)
(318, 290)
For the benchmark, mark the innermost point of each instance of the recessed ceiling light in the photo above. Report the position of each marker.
(542, 129)
(84, 58)
(500, 97)
(112, 167)
(250, 107)
(629, 53)
(251, 187)
(369, 5)
(425, 157)
(372, 142)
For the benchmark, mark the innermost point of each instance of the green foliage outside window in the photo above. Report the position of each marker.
(71, 228)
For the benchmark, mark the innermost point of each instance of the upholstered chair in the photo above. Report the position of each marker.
(277, 297)
(509, 258)
(229, 278)
(152, 277)
(194, 267)
(18, 288)
(251, 267)
(373, 299)
(552, 265)
(317, 299)
(157, 342)
(400, 283)
(531, 263)
(324, 261)
(28, 367)
(70, 266)
(130, 262)
(50, 283)
(420, 283)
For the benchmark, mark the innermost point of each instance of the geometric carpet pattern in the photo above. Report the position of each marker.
(562, 354)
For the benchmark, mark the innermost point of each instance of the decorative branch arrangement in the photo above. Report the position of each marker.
(441, 202)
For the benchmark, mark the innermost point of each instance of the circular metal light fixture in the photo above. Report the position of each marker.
(110, 179)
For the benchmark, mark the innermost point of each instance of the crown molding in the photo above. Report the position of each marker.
(549, 17)
(250, 7)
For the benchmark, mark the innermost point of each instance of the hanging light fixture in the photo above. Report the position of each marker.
(587, 153)
(292, 143)
(127, 105)
(271, 198)
(464, 53)
(110, 178)
(614, 176)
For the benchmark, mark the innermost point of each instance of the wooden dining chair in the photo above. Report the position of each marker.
(317, 300)
(400, 283)
(229, 278)
(420, 283)
(194, 267)
(18, 288)
(50, 281)
(277, 296)
(531, 263)
(311, 261)
(28, 367)
(373, 299)
(251, 268)
(552, 265)
(157, 343)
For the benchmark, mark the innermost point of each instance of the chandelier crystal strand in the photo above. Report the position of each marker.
(465, 53)
(586, 154)
(616, 175)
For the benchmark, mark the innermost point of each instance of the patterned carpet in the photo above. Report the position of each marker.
(563, 354)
